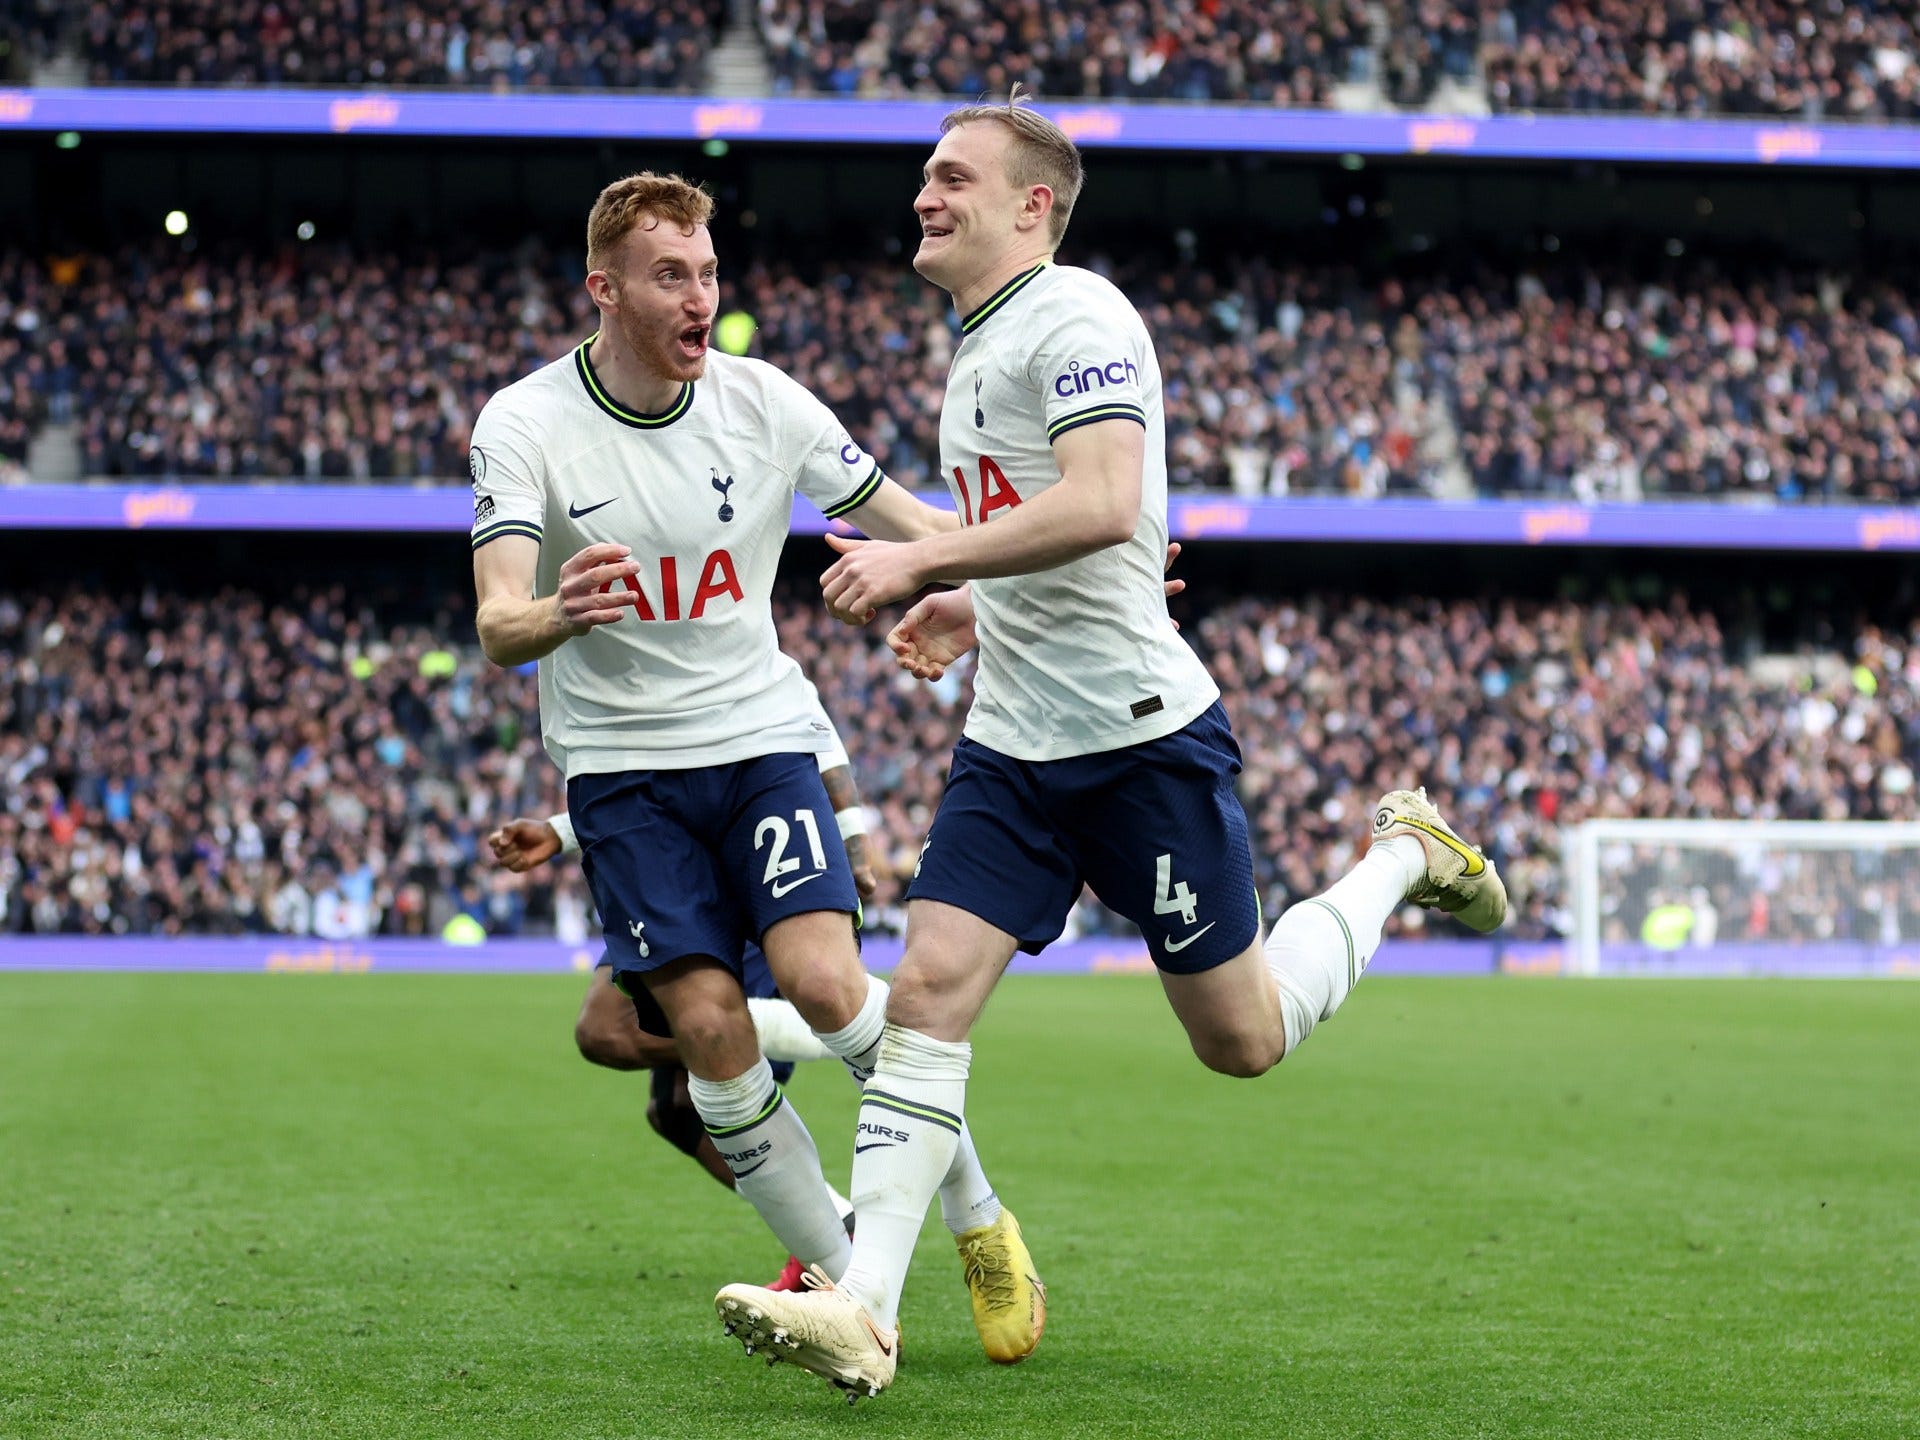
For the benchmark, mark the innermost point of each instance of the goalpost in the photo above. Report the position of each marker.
(1744, 896)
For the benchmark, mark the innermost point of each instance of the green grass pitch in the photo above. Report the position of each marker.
(397, 1206)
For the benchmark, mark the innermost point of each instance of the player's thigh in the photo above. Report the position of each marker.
(1231, 1013)
(659, 886)
(1161, 837)
(995, 853)
(952, 962)
(707, 1010)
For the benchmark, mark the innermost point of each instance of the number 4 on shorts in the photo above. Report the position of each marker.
(1169, 898)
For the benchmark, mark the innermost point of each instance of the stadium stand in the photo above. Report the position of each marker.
(1560, 380)
(308, 762)
(1852, 59)
(571, 44)
(1286, 53)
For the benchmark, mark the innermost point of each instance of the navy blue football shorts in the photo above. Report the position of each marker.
(1154, 829)
(704, 861)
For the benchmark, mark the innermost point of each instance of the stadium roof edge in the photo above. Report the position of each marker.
(403, 509)
(1229, 128)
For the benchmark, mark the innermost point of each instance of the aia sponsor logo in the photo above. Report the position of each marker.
(996, 492)
(717, 579)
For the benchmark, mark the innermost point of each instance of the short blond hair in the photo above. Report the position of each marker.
(1041, 153)
(625, 204)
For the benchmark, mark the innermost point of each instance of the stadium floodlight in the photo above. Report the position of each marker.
(305, 230)
(67, 140)
(1744, 896)
(176, 222)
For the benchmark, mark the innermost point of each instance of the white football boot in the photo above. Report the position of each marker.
(1459, 879)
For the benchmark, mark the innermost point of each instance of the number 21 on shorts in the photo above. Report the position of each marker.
(772, 834)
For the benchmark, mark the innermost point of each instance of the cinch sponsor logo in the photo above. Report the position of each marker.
(1091, 124)
(367, 113)
(1081, 378)
(156, 507)
(1222, 518)
(1791, 143)
(322, 959)
(710, 120)
(15, 107)
(1426, 136)
(1881, 532)
(1564, 523)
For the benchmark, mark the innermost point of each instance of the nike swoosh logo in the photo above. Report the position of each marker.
(781, 890)
(1174, 947)
(876, 1145)
(886, 1345)
(575, 512)
(1476, 862)
(742, 1174)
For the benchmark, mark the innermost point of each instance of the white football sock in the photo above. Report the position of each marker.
(1320, 948)
(967, 1201)
(908, 1131)
(775, 1165)
(784, 1037)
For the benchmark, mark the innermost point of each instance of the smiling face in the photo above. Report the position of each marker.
(973, 218)
(663, 290)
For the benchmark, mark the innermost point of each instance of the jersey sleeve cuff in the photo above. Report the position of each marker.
(505, 527)
(865, 492)
(1093, 416)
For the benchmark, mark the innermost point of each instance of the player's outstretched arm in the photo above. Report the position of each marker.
(1095, 506)
(515, 627)
(896, 513)
(522, 845)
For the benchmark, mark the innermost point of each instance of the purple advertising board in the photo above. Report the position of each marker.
(1246, 129)
(306, 955)
(396, 509)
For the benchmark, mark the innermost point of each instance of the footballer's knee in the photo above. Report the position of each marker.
(1240, 1053)
(603, 1043)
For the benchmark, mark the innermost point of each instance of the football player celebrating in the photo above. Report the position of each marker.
(630, 504)
(1097, 750)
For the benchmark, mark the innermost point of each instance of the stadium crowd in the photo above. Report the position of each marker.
(1841, 58)
(570, 44)
(1556, 380)
(305, 763)
(1278, 52)
(318, 362)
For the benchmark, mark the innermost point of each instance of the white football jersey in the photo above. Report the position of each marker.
(1082, 658)
(703, 493)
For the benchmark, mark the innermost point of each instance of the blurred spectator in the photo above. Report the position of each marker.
(242, 763)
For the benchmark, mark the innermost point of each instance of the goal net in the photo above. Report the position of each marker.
(1734, 897)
